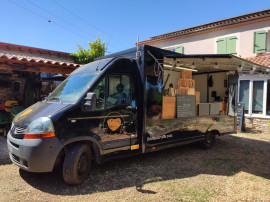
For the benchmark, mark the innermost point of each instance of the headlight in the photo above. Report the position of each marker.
(40, 128)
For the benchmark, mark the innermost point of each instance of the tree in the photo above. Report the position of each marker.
(82, 56)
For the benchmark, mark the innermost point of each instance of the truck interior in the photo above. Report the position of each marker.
(208, 83)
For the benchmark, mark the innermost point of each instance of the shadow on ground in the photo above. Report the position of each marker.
(4, 158)
(230, 155)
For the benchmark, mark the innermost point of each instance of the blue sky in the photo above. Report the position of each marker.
(62, 24)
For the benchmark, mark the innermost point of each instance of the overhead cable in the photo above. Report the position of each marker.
(86, 21)
(35, 13)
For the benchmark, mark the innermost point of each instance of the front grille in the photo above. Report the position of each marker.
(18, 132)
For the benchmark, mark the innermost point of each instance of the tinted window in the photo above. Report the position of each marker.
(244, 94)
(268, 98)
(100, 94)
(257, 102)
(118, 90)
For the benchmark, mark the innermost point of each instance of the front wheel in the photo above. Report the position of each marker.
(77, 164)
(209, 140)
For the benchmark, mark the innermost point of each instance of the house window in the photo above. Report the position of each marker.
(259, 45)
(257, 98)
(227, 45)
(255, 93)
(177, 49)
(244, 94)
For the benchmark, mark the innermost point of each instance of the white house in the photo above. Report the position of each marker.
(246, 36)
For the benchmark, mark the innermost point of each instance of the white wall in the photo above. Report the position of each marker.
(206, 43)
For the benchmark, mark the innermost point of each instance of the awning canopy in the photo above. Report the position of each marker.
(213, 62)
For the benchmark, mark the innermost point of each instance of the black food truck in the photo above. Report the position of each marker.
(136, 101)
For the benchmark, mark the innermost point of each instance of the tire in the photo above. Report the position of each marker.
(77, 164)
(209, 140)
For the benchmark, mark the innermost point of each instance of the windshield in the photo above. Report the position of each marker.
(92, 67)
(72, 88)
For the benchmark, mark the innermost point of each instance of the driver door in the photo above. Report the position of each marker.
(115, 114)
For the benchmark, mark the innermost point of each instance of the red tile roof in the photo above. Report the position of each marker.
(32, 50)
(261, 59)
(213, 26)
(4, 55)
(45, 60)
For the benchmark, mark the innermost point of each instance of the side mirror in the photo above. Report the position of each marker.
(90, 102)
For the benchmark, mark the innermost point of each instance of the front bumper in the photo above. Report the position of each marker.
(34, 155)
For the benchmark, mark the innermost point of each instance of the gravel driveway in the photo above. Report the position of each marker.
(3, 151)
(236, 168)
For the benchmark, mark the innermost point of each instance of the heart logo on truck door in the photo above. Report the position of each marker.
(114, 124)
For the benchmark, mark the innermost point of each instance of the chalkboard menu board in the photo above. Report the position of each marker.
(240, 116)
(185, 106)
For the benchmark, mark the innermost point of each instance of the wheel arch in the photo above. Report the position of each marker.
(93, 143)
(214, 130)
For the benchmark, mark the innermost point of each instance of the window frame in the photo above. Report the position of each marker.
(174, 47)
(239, 82)
(237, 44)
(226, 37)
(96, 84)
(251, 80)
(106, 90)
(255, 39)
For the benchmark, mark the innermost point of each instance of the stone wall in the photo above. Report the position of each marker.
(258, 124)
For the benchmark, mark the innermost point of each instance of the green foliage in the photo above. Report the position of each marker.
(82, 56)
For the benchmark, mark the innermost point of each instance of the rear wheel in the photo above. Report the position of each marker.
(209, 140)
(77, 164)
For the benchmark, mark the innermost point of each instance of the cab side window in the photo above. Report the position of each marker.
(119, 91)
(99, 90)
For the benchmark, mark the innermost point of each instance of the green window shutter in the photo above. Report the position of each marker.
(231, 45)
(259, 42)
(179, 49)
(221, 46)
